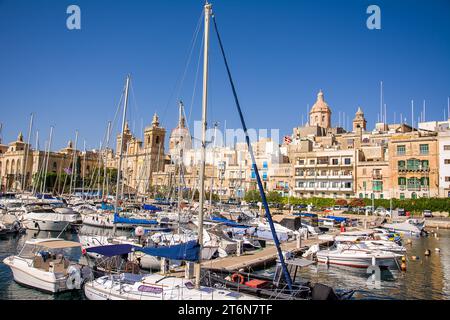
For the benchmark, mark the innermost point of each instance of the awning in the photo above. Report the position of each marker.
(54, 244)
(112, 250)
(188, 251)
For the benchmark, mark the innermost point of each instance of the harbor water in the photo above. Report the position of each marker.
(425, 278)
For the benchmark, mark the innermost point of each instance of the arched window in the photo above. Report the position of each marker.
(425, 164)
(401, 164)
(413, 195)
(13, 167)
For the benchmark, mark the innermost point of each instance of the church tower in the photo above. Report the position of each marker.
(126, 138)
(359, 122)
(154, 136)
(320, 113)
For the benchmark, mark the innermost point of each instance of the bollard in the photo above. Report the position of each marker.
(239, 247)
(189, 270)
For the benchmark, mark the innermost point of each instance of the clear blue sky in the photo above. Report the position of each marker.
(281, 53)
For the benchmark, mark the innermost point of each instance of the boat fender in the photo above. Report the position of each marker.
(403, 266)
(237, 275)
(427, 252)
(74, 279)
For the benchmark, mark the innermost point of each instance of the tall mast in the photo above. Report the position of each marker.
(48, 156)
(74, 159)
(84, 168)
(25, 163)
(105, 157)
(119, 166)
(213, 162)
(208, 9)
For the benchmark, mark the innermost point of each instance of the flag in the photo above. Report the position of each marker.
(287, 139)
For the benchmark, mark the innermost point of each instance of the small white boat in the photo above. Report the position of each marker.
(154, 287)
(42, 265)
(411, 226)
(358, 256)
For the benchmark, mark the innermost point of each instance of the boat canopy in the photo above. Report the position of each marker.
(188, 251)
(58, 244)
(229, 223)
(112, 250)
(151, 207)
(106, 206)
(119, 219)
(337, 219)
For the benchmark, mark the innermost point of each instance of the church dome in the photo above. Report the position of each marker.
(320, 105)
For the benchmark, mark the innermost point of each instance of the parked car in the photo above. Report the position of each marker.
(427, 214)
(335, 208)
(401, 212)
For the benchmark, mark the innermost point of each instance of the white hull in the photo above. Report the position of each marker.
(155, 287)
(35, 278)
(357, 259)
(42, 225)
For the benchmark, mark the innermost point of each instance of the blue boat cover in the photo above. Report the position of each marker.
(111, 250)
(188, 251)
(106, 206)
(151, 207)
(119, 219)
(229, 223)
(337, 219)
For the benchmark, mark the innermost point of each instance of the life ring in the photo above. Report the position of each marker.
(237, 275)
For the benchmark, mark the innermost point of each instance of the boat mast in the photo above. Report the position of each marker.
(27, 151)
(119, 166)
(105, 159)
(46, 162)
(74, 159)
(208, 10)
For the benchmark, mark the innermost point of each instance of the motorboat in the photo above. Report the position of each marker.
(9, 224)
(410, 226)
(357, 256)
(42, 264)
(43, 217)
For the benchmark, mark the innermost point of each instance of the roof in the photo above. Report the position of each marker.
(54, 243)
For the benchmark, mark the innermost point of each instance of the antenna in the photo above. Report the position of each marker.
(385, 114)
(381, 101)
(423, 112)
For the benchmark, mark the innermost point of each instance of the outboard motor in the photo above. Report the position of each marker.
(323, 292)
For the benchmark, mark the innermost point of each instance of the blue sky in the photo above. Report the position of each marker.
(281, 53)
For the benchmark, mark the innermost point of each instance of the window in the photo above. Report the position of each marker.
(347, 185)
(157, 139)
(347, 160)
(402, 181)
(377, 185)
(423, 148)
(413, 183)
(300, 162)
(425, 164)
(413, 195)
(364, 185)
(413, 164)
(447, 179)
(446, 161)
(401, 150)
(312, 161)
(402, 196)
(335, 185)
(311, 184)
(447, 147)
(323, 184)
(361, 196)
(401, 165)
(335, 161)
(265, 165)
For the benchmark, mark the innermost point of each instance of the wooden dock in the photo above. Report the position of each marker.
(258, 258)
